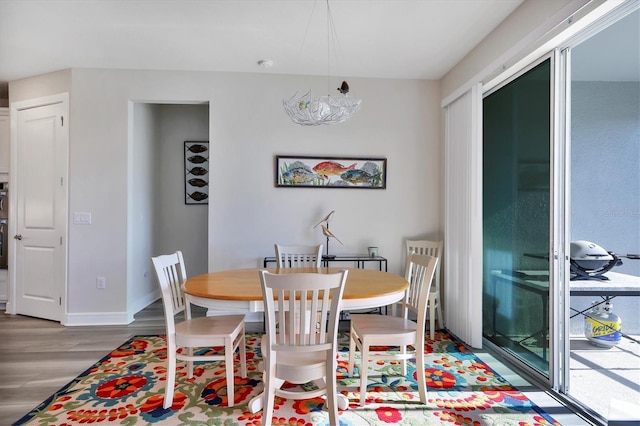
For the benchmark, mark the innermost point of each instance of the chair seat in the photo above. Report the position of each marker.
(383, 325)
(207, 331)
(205, 326)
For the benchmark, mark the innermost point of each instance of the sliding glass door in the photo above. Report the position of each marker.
(517, 209)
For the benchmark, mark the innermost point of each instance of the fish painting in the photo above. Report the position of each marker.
(198, 182)
(197, 148)
(327, 168)
(356, 176)
(198, 196)
(198, 171)
(298, 175)
(197, 159)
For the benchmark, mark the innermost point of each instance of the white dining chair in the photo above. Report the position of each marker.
(368, 331)
(431, 248)
(225, 332)
(298, 256)
(302, 348)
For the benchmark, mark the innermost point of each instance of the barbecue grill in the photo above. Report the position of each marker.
(590, 261)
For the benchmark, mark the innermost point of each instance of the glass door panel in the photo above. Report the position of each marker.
(516, 216)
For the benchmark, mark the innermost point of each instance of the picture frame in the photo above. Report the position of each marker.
(196, 172)
(330, 172)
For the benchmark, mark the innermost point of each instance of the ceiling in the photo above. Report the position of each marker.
(413, 39)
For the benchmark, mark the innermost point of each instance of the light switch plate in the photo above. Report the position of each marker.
(81, 218)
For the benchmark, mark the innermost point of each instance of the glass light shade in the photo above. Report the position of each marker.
(309, 111)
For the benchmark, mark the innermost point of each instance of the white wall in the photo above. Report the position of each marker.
(180, 226)
(144, 156)
(399, 120)
(605, 167)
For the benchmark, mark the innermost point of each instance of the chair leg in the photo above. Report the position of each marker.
(422, 383)
(439, 312)
(229, 355)
(242, 348)
(269, 394)
(364, 367)
(171, 377)
(352, 352)
(432, 317)
(332, 388)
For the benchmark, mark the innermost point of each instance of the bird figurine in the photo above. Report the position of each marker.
(325, 219)
(329, 234)
(344, 88)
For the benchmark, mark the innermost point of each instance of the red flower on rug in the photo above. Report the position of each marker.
(156, 401)
(132, 348)
(438, 378)
(121, 387)
(388, 414)
(306, 406)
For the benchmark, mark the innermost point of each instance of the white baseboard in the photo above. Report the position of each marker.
(101, 318)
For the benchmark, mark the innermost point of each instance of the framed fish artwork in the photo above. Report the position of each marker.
(331, 172)
(196, 172)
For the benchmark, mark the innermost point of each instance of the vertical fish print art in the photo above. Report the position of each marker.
(197, 148)
(198, 182)
(198, 171)
(198, 196)
(197, 159)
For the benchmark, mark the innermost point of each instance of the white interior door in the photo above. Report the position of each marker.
(40, 188)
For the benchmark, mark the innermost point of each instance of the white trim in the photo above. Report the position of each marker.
(552, 39)
(559, 28)
(101, 318)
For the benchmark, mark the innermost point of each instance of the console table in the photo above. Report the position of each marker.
(358, 259)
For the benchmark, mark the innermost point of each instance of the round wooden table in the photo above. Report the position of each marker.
(239, 290)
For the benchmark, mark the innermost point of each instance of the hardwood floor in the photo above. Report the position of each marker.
(38, 357)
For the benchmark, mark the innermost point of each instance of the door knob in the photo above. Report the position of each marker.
(18, 237)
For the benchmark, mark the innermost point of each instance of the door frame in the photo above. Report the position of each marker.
(15, 107)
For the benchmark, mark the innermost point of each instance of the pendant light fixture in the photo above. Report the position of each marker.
(308, 110)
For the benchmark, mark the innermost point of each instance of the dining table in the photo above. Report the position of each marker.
(239, 290)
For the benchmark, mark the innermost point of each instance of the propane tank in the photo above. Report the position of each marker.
(601, 326)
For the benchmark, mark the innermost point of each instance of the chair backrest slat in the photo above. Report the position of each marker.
(419, 272)
(171, 274)
(297, 256)
(306, 310)
(429, 248)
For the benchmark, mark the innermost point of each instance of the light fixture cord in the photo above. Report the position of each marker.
(328, 49)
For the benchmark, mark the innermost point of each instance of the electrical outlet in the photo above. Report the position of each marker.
(101, 282)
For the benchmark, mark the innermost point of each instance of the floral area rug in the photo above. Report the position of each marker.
(127, 388)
